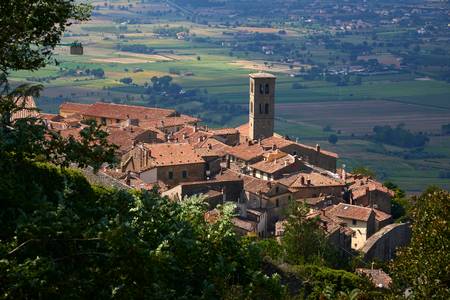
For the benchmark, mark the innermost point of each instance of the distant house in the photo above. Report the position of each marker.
(76, 49)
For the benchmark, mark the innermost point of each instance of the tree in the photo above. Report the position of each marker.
(333, 139)
(31, 29)
(365, 171)
(62, 236)
(424, 265)
(303, 240)
(126, 80)
(399, 202)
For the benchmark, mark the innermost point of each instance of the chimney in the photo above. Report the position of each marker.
(285, 163)
(195, 128)
(259, 141)
(302, 180)
(318, 148)
(184, 136)
(308, 182)
(274, 147)
(228, 162)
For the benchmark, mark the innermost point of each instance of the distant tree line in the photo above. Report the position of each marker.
(136, 48)
(399, 136)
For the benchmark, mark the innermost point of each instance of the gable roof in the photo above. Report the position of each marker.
(348, 211)
(125, 112)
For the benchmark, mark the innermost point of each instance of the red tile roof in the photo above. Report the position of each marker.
(347, 211)
(173, 154)
(125, 112)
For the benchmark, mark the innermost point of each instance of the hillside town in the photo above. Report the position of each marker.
(252, 166)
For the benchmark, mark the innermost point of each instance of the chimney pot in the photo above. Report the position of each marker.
(318, 148)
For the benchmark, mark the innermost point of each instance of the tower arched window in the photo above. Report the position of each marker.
(267, 89)
(251, 106)
(252, 87)
(261, 89)
(266, 108)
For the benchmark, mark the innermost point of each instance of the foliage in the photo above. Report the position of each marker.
(126, 80)
(72, 239)
(399, 202)
(424, 265)
(333, 139)
(365, 171)
(399, 136)
(30, 139)
(31, 29)
(304, 241)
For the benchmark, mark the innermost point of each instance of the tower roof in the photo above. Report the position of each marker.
(262, 75)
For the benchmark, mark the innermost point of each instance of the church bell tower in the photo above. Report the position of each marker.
(262, 105)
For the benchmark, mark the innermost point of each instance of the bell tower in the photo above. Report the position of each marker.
(262, 105)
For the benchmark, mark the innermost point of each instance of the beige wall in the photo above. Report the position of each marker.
(195, 172)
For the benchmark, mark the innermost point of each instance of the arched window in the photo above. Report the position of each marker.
(260, 108)
(266, 108)
(261, 89)
(251, 107)
(252, 87)
(266, 90)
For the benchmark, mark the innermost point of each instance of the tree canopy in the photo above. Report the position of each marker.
(30, 30)
(424, 265)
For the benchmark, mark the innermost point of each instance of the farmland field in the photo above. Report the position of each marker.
(211, 55)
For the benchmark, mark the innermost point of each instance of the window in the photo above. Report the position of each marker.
(261, 89)
(170, 175)
(354, 222)
(266, 108)
(277, 202)
(260, 108)
(267, 89)
(103, 121)
(294, 152)
(251, 106)
(117, 121)
(184, 174)
(252, 87)
(277, 189)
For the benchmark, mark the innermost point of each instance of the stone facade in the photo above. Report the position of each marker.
(262, 105)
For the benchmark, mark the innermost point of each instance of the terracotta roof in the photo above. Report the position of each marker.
(173, 154)
(271, 166)
(378, 277)
(359, 185)
(212, 147)
(29, 108)
(281, 142)
(125, 112)
(165, 122)
(74, 107)
(247, 225)
(316, 179)
(347, 211)
(74, 132)
(124, 137)
(243, 129)
(381, 216)
(246, 152)
(251, 184)
(224, 131)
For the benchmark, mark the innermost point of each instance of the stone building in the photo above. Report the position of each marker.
(262, 105)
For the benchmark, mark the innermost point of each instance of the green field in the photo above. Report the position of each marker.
(208, 62)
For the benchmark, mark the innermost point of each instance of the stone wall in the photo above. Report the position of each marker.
(103, 179)
(383, 244)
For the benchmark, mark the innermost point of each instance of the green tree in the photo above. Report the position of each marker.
(399, 202)
(365, 171)
(31, 29)
(333, 139)
(303, 240)
(424, 265)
